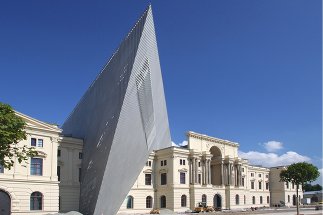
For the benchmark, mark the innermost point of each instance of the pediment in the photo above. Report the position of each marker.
(37, 124)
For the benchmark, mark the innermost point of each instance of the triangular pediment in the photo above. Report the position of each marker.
(37, 124)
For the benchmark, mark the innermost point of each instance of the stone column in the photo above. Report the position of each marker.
(190, 170)
(193, 170)
(210, 172)
(196, 167)
(222, 172)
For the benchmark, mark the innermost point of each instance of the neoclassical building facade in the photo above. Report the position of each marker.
(207, 170)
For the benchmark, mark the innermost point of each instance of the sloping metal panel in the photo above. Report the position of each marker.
(122, 118)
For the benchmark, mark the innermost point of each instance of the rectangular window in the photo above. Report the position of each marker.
(1, 168)
(80, 174)
(33, 142)
(180, 162)
(199, 177)
(80, 155)
(259, 175)
(147, 179)
(40, 143)
(251, 174)
(266, 176)
(182, 177)
(260, 185)
(59, 173)
(267, 186)
(242, 182)
(165, 162)
(252, 185)
(163, 178)
(36, 166)
(199, 164)
(287, 185)
(58, 153)
(242, 169)
(162, 163)
(183, 162)
(293, 186)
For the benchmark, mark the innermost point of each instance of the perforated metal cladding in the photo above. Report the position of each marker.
(143, 83)
(121, 118)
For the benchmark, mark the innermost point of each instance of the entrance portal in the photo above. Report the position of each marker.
(217, 201)
(5, 203)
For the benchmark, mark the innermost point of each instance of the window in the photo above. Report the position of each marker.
(148, 163)
(147, 179)
(182, 177)
(183, 201)
(163, 202)
(204, 198)
(237, 199)
(242, 169)
(181, 162)
(149, 202)
(36, 166)
(163, 163)
(288, 198)
(267, 199)
(287, 185)
(59, 173)
(266, 176)
(260, 198)
(199, 164)
(33, 142)
(163, 179)
(129, 202)
(244, 199)
(259, 175)
(40, 143)
(293, 186)
(58, 153)
(252, 174)
(253, 200)
(199, 178)
(80, 155)
(252, 185)
(267, 186)
(36, 201)
(80, 174)
(242, 181)
(1, 168)
(259, 185)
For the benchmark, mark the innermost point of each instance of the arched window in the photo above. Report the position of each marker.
(163, 202)
(183, 201)
(260, 198)
(36, 201)
(129, 202)
(244, 199)
(253, 200)
(237, 199)
(149, 202)
(204, 198)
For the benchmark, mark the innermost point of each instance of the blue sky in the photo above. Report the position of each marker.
(247, 71)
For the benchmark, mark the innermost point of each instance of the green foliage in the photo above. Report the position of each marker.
(300, 173)
(11, 132)
(309, 187)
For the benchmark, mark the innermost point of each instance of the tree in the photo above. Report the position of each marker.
(299, 174)
(310, 187)
(11, 132)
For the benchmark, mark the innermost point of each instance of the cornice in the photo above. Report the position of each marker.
(211, 139)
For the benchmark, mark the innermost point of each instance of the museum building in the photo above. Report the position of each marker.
(207, 170)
